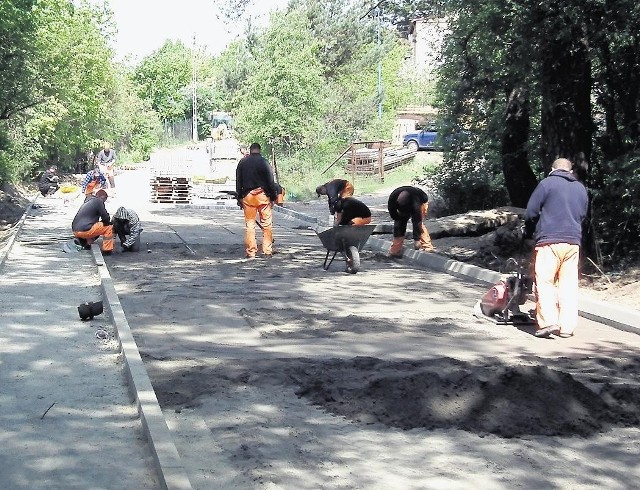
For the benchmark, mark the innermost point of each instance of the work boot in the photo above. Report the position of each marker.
(546, 332)
(425, 248)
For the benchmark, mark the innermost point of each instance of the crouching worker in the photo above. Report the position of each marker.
(48, 183)
(92, 221)
(93, 181)
(406, 203)
(126, 225)
(351, 211)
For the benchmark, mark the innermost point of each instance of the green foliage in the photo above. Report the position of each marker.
(615, 210)
(64, 95)
(18, 60)
(467, 185)
(134, 125)
(76, 57)
(164, 78)
(282, 99)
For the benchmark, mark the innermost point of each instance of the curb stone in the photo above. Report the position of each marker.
(170, 469)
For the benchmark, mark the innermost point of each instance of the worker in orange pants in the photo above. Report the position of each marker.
(92, 221)
(406, 203)
(351, 211)
(256, 192)
(335, 189)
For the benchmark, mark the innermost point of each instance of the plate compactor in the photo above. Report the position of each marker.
(502, 302)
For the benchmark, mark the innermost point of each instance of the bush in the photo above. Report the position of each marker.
(615, 209)
(466, 186)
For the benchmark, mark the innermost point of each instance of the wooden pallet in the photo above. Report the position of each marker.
(170, 201)
(171, 190)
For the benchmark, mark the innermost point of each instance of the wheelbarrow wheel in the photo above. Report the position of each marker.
(352, 259)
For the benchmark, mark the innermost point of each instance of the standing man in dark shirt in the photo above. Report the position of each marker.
(554, 217)
(334, 190)
(92, 220)
(256, 191)
(409, 202)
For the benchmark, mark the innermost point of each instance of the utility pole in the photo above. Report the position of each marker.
(194, 98)
(378, 28)
(377, 12)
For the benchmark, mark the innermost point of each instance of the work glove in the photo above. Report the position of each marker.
(527, 229)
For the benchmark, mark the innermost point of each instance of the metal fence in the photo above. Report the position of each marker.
(177, 132)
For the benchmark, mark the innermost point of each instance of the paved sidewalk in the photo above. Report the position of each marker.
(67, 419)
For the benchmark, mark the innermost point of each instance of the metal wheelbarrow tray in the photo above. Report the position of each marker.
(348, 240)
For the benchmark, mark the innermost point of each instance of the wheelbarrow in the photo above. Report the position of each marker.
(348, 240)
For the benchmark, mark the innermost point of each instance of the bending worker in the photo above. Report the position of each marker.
(409, 202)
(126, 225)
(256, 192)
(334, 190)
(92, 221)
(554, 217)
(351, 211)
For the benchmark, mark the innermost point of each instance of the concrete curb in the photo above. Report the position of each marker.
(214, 204)
(169, 467)
(613, 315)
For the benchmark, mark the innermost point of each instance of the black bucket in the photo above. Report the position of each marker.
(88, 310)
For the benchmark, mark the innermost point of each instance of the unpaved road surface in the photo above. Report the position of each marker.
(278, 374)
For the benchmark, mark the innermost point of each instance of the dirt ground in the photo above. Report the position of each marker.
(301, 378)
(317, 383)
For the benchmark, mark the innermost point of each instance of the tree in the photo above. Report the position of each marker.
(282, 98)
(164, 77)
(79, 81)
(565, 83)
(17, 56)
(134, 125)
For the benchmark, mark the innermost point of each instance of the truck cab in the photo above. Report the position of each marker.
(423, 139)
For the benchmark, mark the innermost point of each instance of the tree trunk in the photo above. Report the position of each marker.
(518, 176)
(566, 105)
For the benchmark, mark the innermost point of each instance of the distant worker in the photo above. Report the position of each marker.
(106, 160)
(334, 190)
(48, 182)
(126, 225)
(256, 193)
(281, 192)
(406, 203)
(93, 182)
(92, 221)
(554, 217)
(351, 211)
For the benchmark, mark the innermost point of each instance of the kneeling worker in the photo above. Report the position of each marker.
(92, 221)
(409, 202)
(351, 211)
(126, 225)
